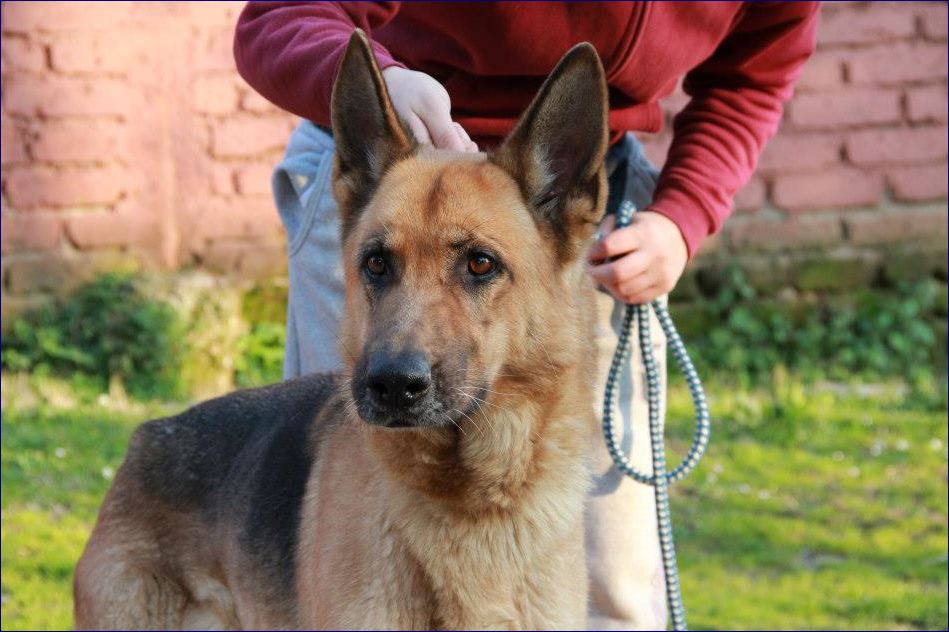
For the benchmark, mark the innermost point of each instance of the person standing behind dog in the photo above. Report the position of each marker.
(460, 75)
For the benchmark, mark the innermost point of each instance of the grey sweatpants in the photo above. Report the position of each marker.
(626, 583)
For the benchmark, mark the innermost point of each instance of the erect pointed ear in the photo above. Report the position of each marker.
(368, 133)
(557, 149)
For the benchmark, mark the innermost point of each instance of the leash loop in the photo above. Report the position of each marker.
(660, 479)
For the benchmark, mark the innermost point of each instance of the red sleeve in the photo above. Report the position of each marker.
(289, 51)
(738, 96)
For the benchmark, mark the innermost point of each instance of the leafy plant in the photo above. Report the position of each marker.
(871, 335)
(108, 330)
(260, 355)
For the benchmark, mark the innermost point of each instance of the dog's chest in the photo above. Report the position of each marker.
(520, 570)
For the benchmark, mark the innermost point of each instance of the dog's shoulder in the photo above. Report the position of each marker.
(185, 459)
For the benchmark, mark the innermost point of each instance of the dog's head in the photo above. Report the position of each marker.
(463, 271)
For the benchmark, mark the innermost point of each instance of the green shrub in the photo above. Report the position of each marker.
(108, 330)
(870, 335)
(260, 355)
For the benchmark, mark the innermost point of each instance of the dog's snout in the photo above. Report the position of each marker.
(400, 380)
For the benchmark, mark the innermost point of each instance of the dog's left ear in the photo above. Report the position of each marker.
(557, 149)
(368, 133)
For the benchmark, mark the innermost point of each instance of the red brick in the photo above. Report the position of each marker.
(241, 217)
(912, 144)
(898, 225)
(33, 187)
(248, 136)
(758, 233)
(251, 260)
(932, 20)
(67, 96)
(22, 55)
(214, 49)
(222, 179)
(95, 52)
(23, 17)
(875, 23)
(841, 5)
(70, 140)
(214, 13)
(710, 245)
(61, 273)
(253, 102)
(12, 144)
(823, 71)
(254, 180)
(215, 94)
(103, 228)
(13, 306)
(898, 63)
(831, 188)
(927, 104)
(29, 232)
(751, 197)
(918, 184)
(800, 152)
(851, 108)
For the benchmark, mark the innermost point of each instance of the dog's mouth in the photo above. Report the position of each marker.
(431, 414)
(437, 409)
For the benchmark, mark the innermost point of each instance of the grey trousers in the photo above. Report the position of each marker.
(626, 583)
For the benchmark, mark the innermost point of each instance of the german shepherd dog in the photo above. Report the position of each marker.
(439, 481)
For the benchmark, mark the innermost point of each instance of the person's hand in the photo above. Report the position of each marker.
(640, 262)
(424, 104)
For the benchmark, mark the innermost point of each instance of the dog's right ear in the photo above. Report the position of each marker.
(368, 133)
(556, 151)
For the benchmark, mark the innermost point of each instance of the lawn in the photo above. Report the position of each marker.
(819, 507)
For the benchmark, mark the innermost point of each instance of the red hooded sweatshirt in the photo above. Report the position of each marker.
(739, 60)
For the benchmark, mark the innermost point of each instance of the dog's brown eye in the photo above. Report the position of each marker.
(480, 265)
(376, 265)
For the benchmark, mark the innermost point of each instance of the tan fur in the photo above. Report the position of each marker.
(473, 524)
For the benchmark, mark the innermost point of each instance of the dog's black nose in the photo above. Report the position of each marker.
(396, 381)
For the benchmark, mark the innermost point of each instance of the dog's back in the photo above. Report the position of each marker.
(231, 470)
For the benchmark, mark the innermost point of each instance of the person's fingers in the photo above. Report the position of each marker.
(636, 293)
(443, 133)
(614, 243)
(606, 225)
(623, 270)
(418, 129)
(466, 143)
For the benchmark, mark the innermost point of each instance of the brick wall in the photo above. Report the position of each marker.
(128, 140)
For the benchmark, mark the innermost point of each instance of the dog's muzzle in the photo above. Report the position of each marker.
(396, 389)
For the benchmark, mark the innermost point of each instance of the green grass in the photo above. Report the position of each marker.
(814, 508)
(56, 466)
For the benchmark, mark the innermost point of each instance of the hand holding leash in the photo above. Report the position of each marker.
(641, 261)
(660, 478)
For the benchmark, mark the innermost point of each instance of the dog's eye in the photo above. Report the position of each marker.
(376, 265)
(480, 264)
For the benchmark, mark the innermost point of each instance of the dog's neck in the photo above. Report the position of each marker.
(489, 460)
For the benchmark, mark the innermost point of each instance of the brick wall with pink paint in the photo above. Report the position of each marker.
(128, 140)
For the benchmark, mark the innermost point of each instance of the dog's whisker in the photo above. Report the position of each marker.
(478, 402)
(475, 423)
(456, 424)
